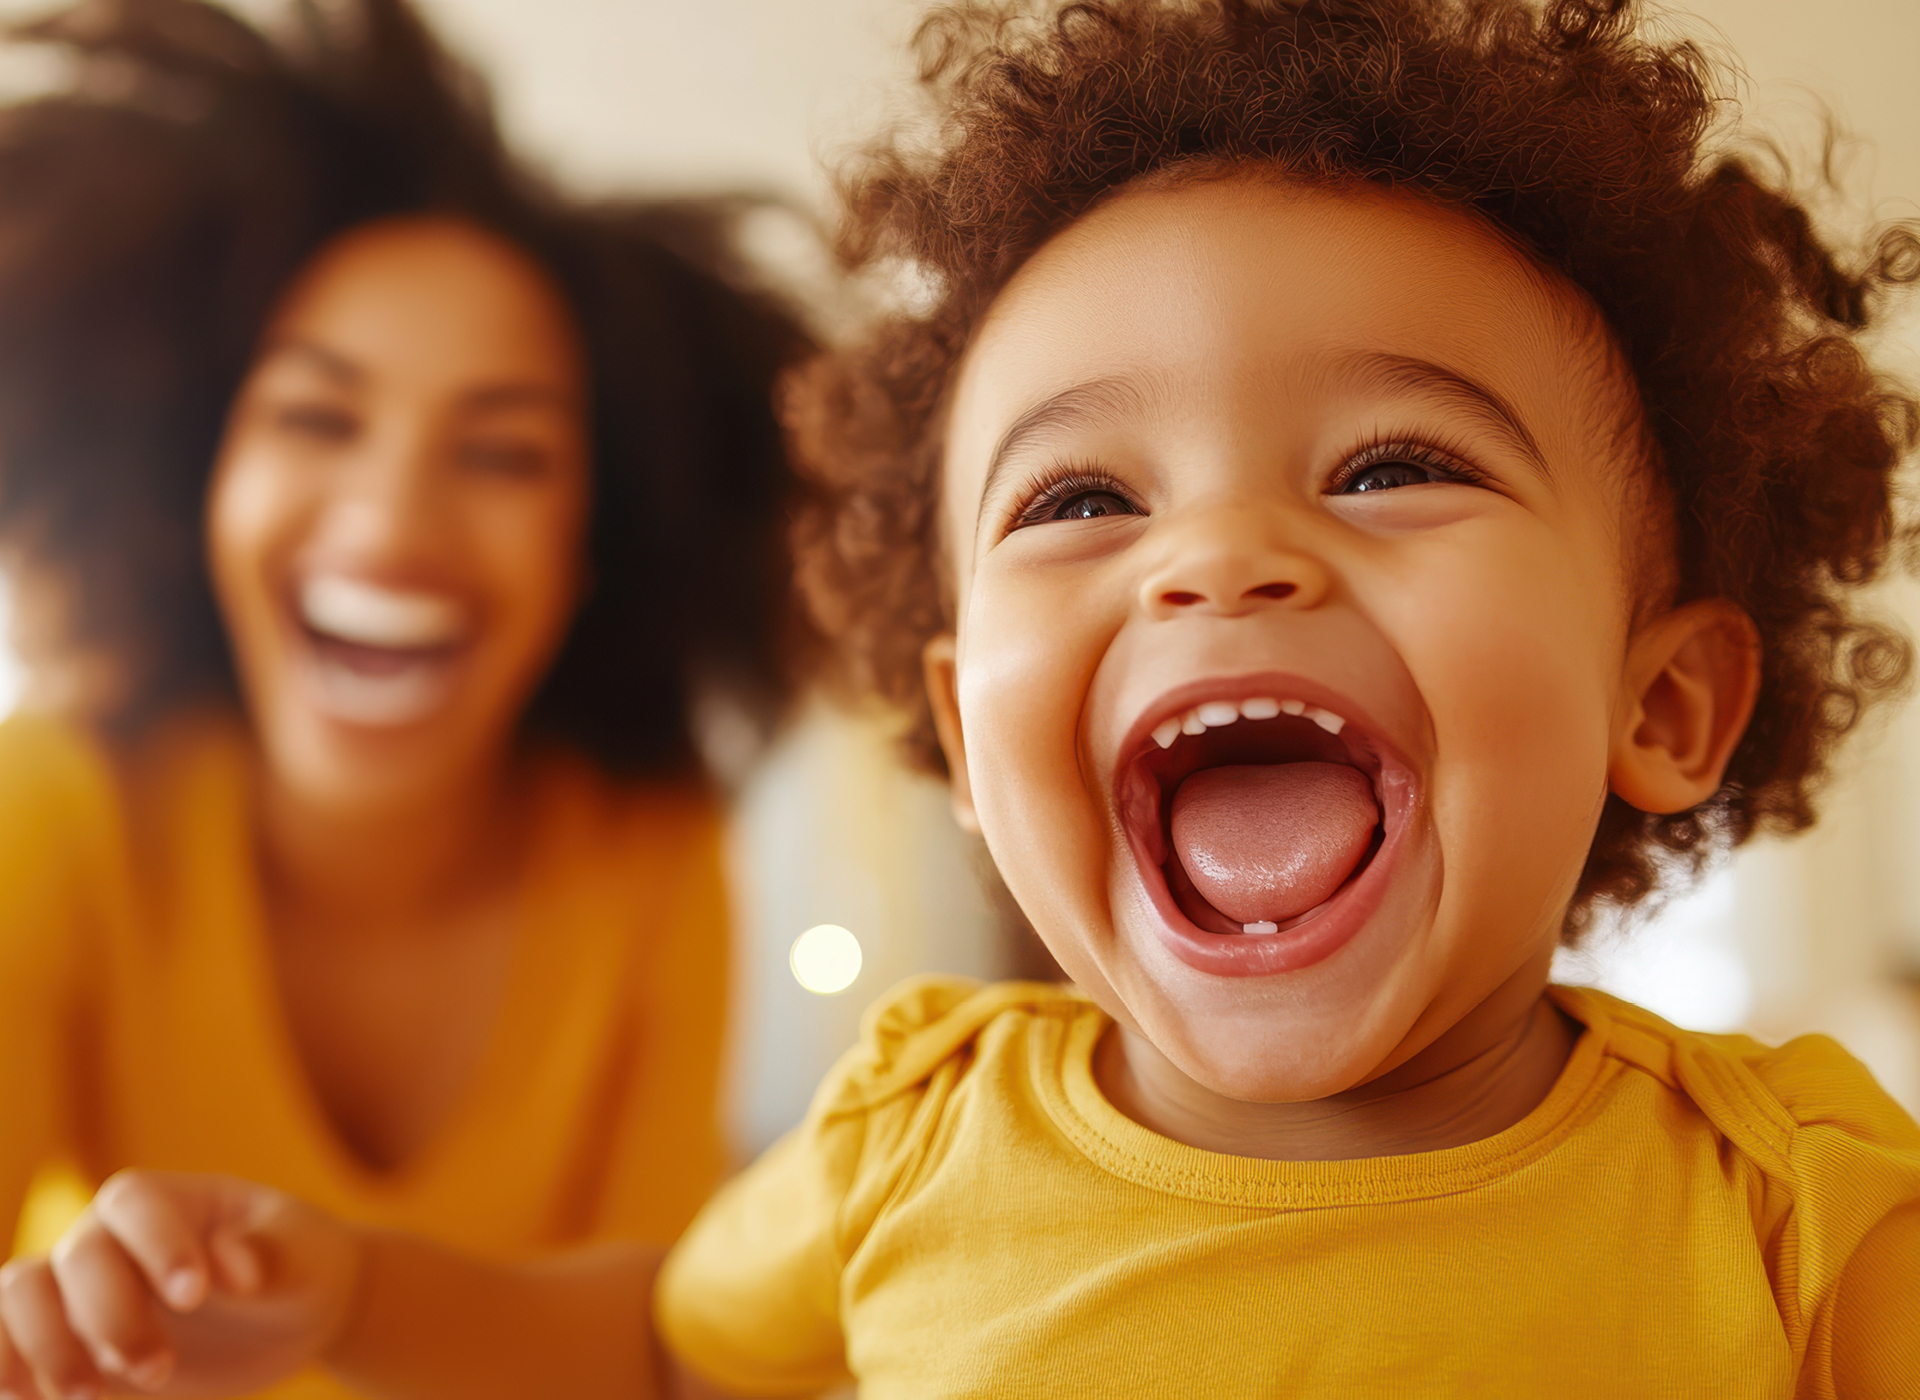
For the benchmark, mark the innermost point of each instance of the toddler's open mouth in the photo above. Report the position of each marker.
(1264, 814)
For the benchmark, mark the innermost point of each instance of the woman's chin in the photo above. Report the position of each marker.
(345, 763)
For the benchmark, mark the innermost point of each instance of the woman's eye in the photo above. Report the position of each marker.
(320, 422)
(516, 459)
(1385, 476)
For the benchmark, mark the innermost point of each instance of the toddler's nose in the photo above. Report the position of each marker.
(1225, 563)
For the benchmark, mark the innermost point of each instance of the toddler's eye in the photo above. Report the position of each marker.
(1389, 466)
(1384, 476)
(1091, 505)
(1076, 496)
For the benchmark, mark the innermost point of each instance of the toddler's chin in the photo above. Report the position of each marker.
(1288, 1036)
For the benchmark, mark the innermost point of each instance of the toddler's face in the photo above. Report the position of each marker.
(1293, 647)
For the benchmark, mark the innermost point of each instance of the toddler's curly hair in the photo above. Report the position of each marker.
(1586, 141)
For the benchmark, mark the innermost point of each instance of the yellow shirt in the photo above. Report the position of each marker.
(140, 1023)
(963, 1214)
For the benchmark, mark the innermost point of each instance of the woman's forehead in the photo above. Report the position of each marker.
(433, 296)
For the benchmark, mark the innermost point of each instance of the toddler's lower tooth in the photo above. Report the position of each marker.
(1261, 927)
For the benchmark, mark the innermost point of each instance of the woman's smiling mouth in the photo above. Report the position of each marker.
(1265, 817)
(379, 656)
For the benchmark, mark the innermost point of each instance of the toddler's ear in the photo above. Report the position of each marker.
(1691, 679)
(938, 662)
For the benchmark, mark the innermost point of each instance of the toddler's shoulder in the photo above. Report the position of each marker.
(1840, 1159)
(1768, 1097)
(929, 1025)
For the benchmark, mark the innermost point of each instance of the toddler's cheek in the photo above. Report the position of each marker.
(1021, 692)
(1521, 720)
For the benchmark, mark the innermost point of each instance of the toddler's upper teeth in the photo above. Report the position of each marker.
(1213, 714)
(370, 615)
(1326, 719)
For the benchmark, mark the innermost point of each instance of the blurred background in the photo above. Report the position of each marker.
(1818, 934)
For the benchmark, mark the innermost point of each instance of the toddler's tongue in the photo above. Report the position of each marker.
(1265, 842)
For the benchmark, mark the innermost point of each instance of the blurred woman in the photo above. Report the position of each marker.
(379, 521)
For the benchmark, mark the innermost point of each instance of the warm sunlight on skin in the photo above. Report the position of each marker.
(1244, 441)
(396, 519)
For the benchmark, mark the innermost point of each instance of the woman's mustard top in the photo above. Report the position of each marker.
(140, 1023)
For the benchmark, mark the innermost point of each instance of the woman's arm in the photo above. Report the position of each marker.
(57, 869)
(430, 1322)
(196, 1285)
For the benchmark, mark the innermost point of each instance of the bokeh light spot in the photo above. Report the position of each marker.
(826, 959)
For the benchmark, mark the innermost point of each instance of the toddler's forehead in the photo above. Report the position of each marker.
(1252, 298)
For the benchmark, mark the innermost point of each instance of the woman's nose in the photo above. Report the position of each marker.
(386, 501)
(1227, 563)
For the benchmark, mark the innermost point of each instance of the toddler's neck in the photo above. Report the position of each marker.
(1480, 1077)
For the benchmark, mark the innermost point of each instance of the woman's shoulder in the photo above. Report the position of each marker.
(60, 822)
(53, 772)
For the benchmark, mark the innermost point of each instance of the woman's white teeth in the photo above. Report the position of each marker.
(368, 614)
(1215, 714)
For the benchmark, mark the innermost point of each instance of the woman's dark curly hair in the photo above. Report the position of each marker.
(1580, 138)
(152, 212)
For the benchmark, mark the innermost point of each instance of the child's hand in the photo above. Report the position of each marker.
(176, 1284)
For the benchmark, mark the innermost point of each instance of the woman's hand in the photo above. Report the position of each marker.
(177, 1284)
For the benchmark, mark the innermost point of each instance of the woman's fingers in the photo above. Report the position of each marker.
(35, 1319)
(110, 1307)
(237, 1259)
(143, 1211)
(16, 1381)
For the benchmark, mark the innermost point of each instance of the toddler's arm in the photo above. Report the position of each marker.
(199, 1285)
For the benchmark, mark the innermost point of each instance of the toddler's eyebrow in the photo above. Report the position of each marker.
(1378, 370)
(1070, 408)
